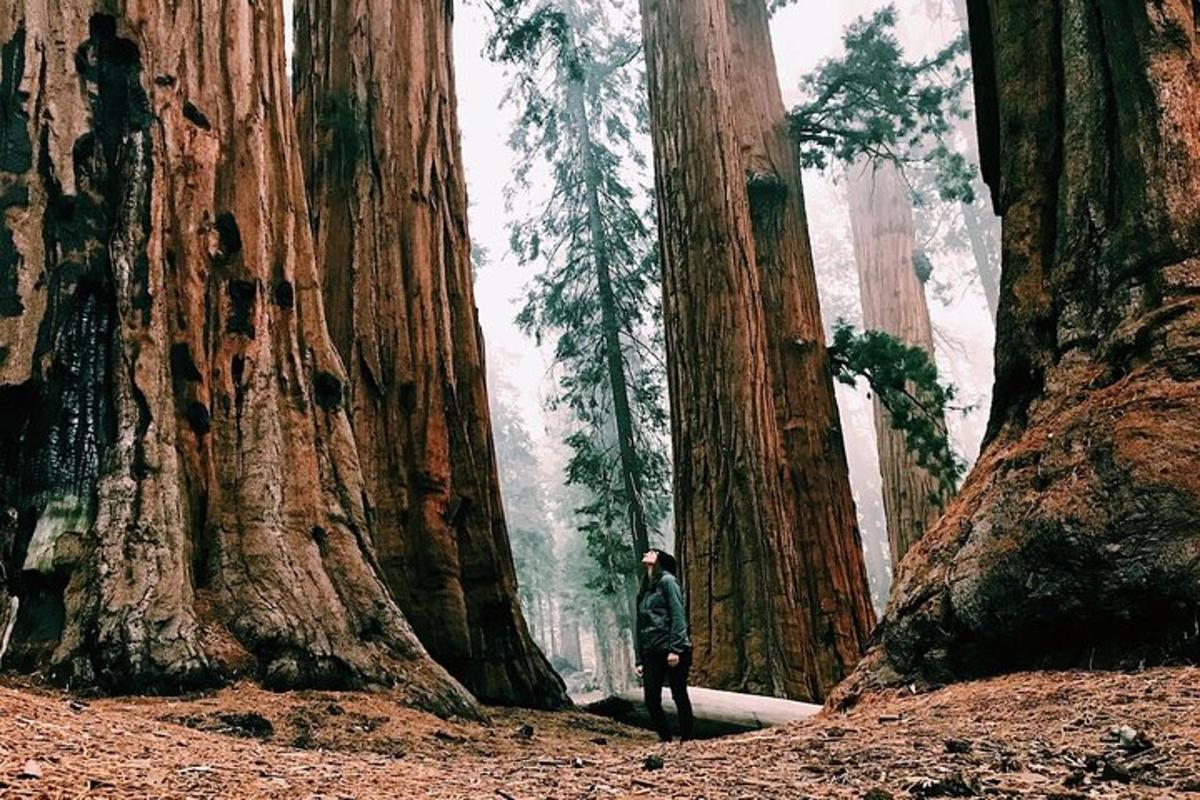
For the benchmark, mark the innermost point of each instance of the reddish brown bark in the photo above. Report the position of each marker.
(378, 121)
(744, 584)
(187, 491)
(893, 301)
(826, 544)
(1074, 540)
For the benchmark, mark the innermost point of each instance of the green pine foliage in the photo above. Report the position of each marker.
(874, 103)
(905, 380)
(922, 266)
(577, 83)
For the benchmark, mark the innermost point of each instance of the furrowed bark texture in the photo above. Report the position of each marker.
(188, 497)
(893, 301)
(826, 541)
(1074, 541)
(378, 119)
(744, 582)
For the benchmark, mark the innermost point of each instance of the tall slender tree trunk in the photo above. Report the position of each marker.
(827, 540)
(985, 259)
(602, 635)
(1074, 539)
(554, 628)
(546, 617)
(532, 611)
(614, 353)
(975, 221)
(572, 647)
(622, 658)
(176, 452)
(893, 301)
(378, 118)
(735, 528)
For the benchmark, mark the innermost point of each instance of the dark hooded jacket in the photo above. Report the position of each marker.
(661, 618)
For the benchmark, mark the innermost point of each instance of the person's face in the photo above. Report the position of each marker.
(649, 560)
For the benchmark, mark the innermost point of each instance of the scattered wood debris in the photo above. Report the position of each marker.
(1063, 735)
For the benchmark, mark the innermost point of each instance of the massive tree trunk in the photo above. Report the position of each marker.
(187, 494)
(378, 122)
(1074, 541)
(825, 528)
(735, 530)
(893, 301)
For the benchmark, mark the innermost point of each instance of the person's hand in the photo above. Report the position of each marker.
(673, 660)
(638, 670)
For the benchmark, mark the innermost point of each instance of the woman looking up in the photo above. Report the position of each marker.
(664, 652)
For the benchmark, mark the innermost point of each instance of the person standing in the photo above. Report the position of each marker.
(664, 651)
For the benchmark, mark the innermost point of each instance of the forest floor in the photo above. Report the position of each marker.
(1052, 735)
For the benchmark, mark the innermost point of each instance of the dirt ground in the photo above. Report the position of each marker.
(1051, 735)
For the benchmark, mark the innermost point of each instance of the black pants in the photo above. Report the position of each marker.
(655, 673)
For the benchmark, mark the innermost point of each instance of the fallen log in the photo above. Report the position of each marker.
(717, 713)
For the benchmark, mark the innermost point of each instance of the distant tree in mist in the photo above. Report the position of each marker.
(886, 121)
(874, 104)
(973, 227)
(525, 507)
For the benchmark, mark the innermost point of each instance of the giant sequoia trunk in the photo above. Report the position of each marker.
(378, 122)
(1075, 539)
(175, 457)
(825, 527)
(893, 301)
(735, 529)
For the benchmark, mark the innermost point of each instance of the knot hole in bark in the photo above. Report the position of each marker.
(343, 135)
(766, 189)
(768, 195)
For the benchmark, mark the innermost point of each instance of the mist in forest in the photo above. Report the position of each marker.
(524, 376)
